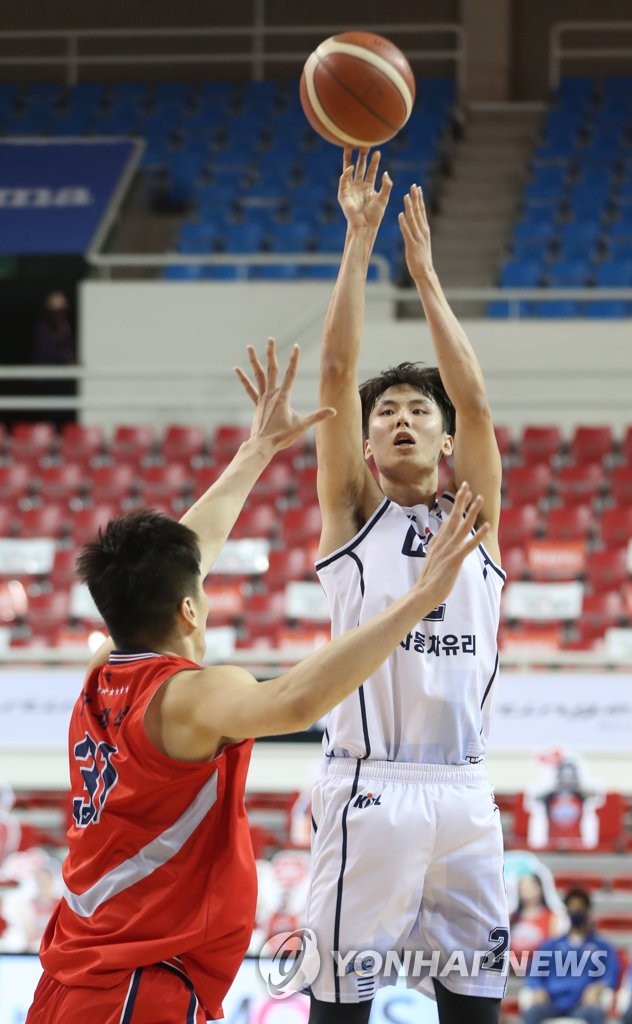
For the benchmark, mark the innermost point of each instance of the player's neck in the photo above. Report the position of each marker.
(408, 493)
(179, 647)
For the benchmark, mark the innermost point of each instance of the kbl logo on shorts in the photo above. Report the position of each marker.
(289, 962)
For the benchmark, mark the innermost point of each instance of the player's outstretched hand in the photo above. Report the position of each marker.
(275, 421)
(361, 204)
(447, 549)
(413, 223)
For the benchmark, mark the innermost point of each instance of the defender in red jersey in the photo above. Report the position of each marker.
(160, 884)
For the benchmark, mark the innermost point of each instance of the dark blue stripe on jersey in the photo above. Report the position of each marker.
(131, 997)
(486, 557)
(365, 724)
(489, 685)
(368, 526)
(193, 1004)
(314, 825)
(357, 561)
(343, 864)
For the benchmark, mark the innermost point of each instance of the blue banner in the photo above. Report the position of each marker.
(54, 195)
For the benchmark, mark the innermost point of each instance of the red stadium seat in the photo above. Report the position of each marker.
(133, 442)
(287, 564)
(61, 482)
(527, 485)
(226, 441)
(226, 602)
(514, 562)
(580, 483)
(80, 442)
(577, 880)
(113, 483)
(263, 610)
(300, 525)
(86, 522)
(621, 485)
(503, 440)
(518, 525)
(607, 570)
(257, 521)
(184, 442)
(43, 521)
(569, 522)
(33, 440)
(48, 609)
(614, 923)
(626, 447)
(616, 526)
(276, 481)
(602, 611)
(305, 480)
(9, 517)
(16, 481)
(539, 444)
(62, 574)
(591, 444)
(622, 883)
(164, 483)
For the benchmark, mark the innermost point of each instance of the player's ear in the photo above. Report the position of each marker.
(188, 612)
(447, 445)
(367, 449)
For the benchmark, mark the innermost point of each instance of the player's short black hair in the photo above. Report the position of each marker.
(425, 379)
(138, 570)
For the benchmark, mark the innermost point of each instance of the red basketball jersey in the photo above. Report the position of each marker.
(160, 860)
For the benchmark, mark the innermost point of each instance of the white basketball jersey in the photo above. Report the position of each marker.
(431, 700)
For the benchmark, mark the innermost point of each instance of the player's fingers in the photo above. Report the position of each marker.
(257, 368)
(347, 158)
(419, 204)
(404, 227)
(374, 163)
(387, 184)
(289, 436)
(273, 365)
(472, 542)
(249, 387)
(290, 374)
(361, 164)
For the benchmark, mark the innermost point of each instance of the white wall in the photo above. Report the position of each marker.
(164, 351)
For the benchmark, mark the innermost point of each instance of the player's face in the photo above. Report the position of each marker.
(406, 431)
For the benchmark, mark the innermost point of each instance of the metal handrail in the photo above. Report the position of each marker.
(73, 60)
(559, 53)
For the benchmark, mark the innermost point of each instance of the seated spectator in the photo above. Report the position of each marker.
(574, 975)
(537, 915)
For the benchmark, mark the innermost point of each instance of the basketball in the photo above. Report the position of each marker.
(357, 89)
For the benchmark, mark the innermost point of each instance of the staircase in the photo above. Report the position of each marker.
(480, 197)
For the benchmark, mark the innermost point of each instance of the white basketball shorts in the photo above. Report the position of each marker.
(407, 878)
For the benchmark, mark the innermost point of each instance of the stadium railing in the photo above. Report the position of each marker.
(562, 51)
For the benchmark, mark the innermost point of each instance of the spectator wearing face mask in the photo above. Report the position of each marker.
(574, 975)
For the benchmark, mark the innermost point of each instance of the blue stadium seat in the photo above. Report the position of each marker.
(197, 237)
(568, 273)
(613, 274)
(242, 238)
(183, 272)
(612, 309)
(520, 274)
(293, 237)
(538, 214)
(502, 309)
(276, 272)
(45, 93)
(330, 237)
(225, 272)
(534, 237)
(555, 308)
(542, 194)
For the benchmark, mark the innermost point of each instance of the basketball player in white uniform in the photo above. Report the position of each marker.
(407, 845)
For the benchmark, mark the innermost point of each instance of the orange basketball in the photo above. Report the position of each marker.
(357, 89)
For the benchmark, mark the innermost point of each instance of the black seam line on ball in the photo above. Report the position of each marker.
(344, 86)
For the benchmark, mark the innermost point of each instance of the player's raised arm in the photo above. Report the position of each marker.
(342, 473)
(476, 455)
(275, 426)
(225, 701)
